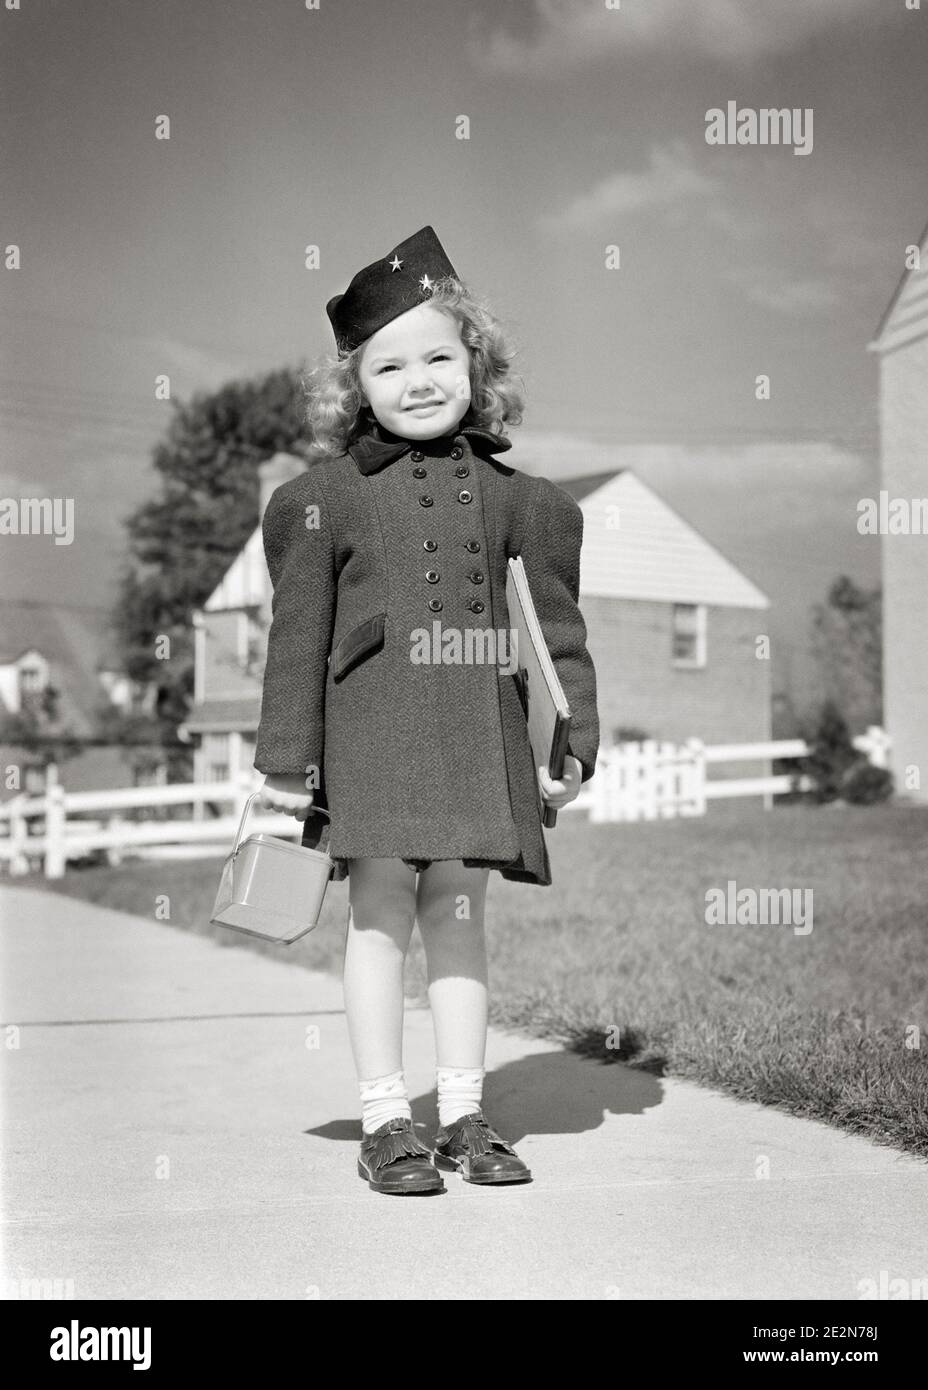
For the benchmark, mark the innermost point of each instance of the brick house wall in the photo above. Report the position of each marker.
(725, 701)
(638, 686)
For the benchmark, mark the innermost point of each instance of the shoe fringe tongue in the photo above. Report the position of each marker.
(479, 1138)
(396, 1144)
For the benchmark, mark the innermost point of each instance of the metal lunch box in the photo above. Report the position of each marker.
(270, 888)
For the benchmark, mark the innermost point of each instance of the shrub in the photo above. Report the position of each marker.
(832, 753)
(865, 785)
(837, 768)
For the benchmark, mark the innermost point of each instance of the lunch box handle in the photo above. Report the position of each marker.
(247, 807)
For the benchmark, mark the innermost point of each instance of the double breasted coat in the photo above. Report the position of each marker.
(418, 759)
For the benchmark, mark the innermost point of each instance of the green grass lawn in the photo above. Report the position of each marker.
(616, 959)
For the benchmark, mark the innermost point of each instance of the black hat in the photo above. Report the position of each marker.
(386, 289)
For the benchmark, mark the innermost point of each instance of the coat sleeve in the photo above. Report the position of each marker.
(301, 563)
(551, 555)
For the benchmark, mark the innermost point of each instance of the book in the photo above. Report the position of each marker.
(543, 700)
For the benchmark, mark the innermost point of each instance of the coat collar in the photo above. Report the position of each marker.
(379, 446)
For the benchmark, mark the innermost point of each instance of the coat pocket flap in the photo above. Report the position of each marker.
(364, 638)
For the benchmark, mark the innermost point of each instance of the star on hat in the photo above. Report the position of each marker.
(374, 299)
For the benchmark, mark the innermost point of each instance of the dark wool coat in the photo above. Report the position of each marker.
(418, 761)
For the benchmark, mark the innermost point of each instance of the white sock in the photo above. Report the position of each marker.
(384, 1098)
(460, 1091)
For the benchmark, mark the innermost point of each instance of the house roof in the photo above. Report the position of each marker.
(582, 487)
(246, 582)
(654, 555)
(906, 315)
(635, 546)
(77, 645)
(214, 716)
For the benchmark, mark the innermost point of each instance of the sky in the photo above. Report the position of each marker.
(336, 127)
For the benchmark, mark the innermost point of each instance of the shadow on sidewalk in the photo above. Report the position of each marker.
(546, 1093)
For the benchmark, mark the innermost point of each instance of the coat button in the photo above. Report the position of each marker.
(430, 545)
(475, 577)
(461, 471)
(417, 456)
(419, 473)
(472, 546)
(476, 605)
(425, 500)
(457, 452)
(432, 576)
(435, 605)
(464, 495)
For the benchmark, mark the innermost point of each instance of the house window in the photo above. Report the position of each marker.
(218, 772)
(252, 639)
(689, 634)
(151, 775)
(30, 679)
(35, 781)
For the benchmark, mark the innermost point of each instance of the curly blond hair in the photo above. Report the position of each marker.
(336, 412)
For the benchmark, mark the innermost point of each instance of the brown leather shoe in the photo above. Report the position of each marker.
(469, 1146)
(393, 1160)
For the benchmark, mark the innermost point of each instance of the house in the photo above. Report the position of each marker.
(58, 668)
(229, 645)
(901, 343)
(674, 629)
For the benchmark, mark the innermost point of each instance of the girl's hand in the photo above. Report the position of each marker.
(288, 794)
(558, 791)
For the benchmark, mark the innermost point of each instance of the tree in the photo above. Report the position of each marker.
(847, 637)
(183, 540)
(39, 729)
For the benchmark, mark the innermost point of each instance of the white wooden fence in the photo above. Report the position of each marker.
(62, 836)
(652, 780)
(633, 781)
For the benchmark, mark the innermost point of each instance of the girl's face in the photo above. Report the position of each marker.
(415, 373)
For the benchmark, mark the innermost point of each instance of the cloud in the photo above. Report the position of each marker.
(785, 468)
(560, 454)
(760, 258)
(740, 223)
(202, 366)
(841, 256)
(12, 485)
(567, 34)
(671, 178)
(850, 239)
(806, 295)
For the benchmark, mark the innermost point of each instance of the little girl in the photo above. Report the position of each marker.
(419, 754)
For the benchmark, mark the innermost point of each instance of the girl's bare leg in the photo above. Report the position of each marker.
(450, 909)
(382, 894)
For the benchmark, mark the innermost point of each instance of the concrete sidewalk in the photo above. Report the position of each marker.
(170, 1134)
